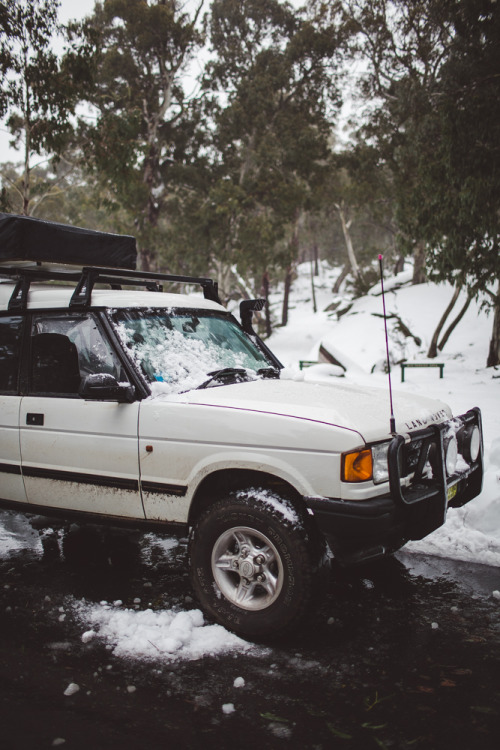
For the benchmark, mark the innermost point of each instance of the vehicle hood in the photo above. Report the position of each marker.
(364, 410)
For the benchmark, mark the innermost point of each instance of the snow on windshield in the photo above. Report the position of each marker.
(175, 350)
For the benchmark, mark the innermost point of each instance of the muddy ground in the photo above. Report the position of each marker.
(402, 654)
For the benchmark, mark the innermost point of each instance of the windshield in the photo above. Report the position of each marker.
(177, 350)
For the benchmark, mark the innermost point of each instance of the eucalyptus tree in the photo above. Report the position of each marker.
(38, 90)
(403, 44)
(140, 52)
(435, 67)
(273, 82)
(462, 182)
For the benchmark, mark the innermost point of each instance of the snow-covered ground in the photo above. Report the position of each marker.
(356, 339)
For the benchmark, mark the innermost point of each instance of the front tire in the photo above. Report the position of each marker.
(255, 567)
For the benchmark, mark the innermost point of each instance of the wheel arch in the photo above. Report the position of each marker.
(224, 481)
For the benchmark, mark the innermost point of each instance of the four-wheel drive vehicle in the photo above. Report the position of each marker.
(156, 409)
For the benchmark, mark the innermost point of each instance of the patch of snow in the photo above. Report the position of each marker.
(16, 533)
(72, 689)
(277, 503)
(167, 635)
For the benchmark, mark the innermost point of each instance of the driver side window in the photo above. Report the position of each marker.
(64, 350)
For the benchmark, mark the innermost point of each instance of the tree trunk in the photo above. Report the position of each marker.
(399, 265)
(286, 295)
(316, 258)
(348, 242)
(241, 283)
(419, 256)
(224, 273)
(494, 353)
(432, 353)
(265, 294)
(290, 271)
(313, 291)
(145, 259)
(27, 168)
(454, 324)
(340, 279)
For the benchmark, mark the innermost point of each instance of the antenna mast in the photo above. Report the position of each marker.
(392, 420)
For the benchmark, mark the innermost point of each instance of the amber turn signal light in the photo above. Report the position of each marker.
(357, 466)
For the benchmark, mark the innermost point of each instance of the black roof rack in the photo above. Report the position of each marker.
(86, 278)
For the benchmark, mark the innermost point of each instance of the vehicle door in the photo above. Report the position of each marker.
(77, 454)
(11, 481)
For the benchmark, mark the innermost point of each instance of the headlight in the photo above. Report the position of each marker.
(470, 443)
(369, 463)
(451, 455)
(380, 465)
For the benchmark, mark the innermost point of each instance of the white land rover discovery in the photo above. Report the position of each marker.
(155, 409)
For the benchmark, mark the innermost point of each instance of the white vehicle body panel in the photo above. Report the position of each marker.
(362, 410)
(191, 441)
(94, 439)
(295, 431)
(12, 485)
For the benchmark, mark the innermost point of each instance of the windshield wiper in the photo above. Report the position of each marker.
(226, 374)
(268, 372)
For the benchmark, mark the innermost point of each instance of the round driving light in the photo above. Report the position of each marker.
(472, 444)
(451, 456)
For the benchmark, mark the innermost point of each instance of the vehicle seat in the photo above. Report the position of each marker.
(55, 366)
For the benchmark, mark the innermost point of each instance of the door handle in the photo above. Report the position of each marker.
(35, 419)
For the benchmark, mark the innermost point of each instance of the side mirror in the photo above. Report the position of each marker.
(102, 386)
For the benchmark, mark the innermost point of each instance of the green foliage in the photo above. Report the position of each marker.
(145, 122)
(272, 86)
(38, 92)
(436, 66)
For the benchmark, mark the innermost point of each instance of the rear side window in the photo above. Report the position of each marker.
(10, 349)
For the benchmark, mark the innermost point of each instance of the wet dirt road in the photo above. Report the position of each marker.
(403, 654)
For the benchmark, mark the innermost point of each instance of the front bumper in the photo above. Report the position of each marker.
(420, 494)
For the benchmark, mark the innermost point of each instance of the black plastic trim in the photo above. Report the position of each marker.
(163, 489)
(72, 476)
(142, 389)
(10, 469)
(372, 508)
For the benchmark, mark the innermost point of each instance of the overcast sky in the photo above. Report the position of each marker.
(70, 9)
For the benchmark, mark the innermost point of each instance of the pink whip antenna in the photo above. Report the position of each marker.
(392, 420)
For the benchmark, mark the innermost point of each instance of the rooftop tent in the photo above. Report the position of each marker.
(23, 238)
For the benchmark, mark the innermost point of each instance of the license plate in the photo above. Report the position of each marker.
(452, 491)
